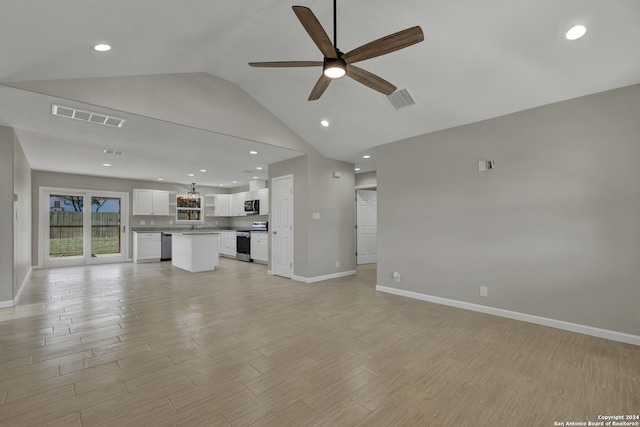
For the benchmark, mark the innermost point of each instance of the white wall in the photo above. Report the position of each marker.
(15, 220)
(21, 217)
(553, 231)
(6, 215)
(332, 237)
(319, 244)
(367, 180)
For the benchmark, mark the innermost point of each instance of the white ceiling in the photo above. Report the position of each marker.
(479, 60)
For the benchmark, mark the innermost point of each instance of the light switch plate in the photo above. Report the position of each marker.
(316, 215)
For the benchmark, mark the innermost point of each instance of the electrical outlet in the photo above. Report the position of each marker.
(396, 276)
(143, 222)
(152, 222)
(337, 264)
(484, 291)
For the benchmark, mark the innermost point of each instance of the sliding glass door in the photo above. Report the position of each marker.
(83, 227)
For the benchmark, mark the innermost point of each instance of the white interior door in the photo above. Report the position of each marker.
(367, 223)
(281, 226)
(83, 227)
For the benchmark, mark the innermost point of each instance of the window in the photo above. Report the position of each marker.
(189, 210)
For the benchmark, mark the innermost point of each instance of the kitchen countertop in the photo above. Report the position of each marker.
(194, 232)
(183, 230)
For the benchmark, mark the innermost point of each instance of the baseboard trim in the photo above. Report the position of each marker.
(325, 277)
(544, 321)
(14, 302)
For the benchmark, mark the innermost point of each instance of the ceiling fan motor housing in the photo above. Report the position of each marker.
(334, 68)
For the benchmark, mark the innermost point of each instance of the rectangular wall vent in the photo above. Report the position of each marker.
(401, 99)
(86, 116)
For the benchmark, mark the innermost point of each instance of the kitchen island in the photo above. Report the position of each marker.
(196, 251)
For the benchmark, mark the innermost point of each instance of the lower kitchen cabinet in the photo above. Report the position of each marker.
(228, 243)
(259, 246)
(146, 246)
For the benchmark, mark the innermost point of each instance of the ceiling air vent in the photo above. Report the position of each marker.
(401, 99)
(113, 152)
(86, 116)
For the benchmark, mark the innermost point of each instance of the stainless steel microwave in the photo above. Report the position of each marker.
(252, 207)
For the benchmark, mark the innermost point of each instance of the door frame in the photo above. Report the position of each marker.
(272, 208)
(43, 211)
(365, 188)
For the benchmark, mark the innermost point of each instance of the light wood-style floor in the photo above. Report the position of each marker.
(149, 344)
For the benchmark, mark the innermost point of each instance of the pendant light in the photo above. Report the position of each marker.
(193, 194)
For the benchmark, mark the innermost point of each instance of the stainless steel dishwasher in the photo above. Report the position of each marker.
(165, 251)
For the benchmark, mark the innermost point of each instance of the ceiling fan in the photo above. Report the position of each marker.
(337, 64)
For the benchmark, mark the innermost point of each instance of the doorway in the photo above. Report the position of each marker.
(367, 226)
(281, 226)
(79, 227)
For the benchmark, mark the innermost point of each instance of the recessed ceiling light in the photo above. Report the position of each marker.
(324, 123)
(102, 47)
(234, 182)
(253, 152)
(106, 164)
(366, 156)
(255, 177)
(575, 32)
(203, 170)
(356, 169)
(160, 179)
(190, 174)
(221, 185)
(259, 168)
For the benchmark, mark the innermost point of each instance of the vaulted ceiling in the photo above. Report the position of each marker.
(479, 60)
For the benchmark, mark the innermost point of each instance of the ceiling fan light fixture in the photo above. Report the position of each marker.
(334, 68)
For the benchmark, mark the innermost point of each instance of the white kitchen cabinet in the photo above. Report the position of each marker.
(146, 246)
(237, 203)
(196, 252)
(228, 243)
(221, 205)
(260, 246)
(150, 202)
(263, 197)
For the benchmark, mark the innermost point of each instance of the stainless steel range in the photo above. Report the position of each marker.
(243, 240)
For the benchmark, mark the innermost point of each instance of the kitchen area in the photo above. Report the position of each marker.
(192, 230)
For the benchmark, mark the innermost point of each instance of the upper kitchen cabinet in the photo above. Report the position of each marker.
(236, 204)
(150, 202)
(217, 204)
(263, 197)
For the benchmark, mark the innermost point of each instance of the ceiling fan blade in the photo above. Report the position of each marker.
(371, 80)
(390, 43)
(287, 64)
(321, 85)
(315, 30)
